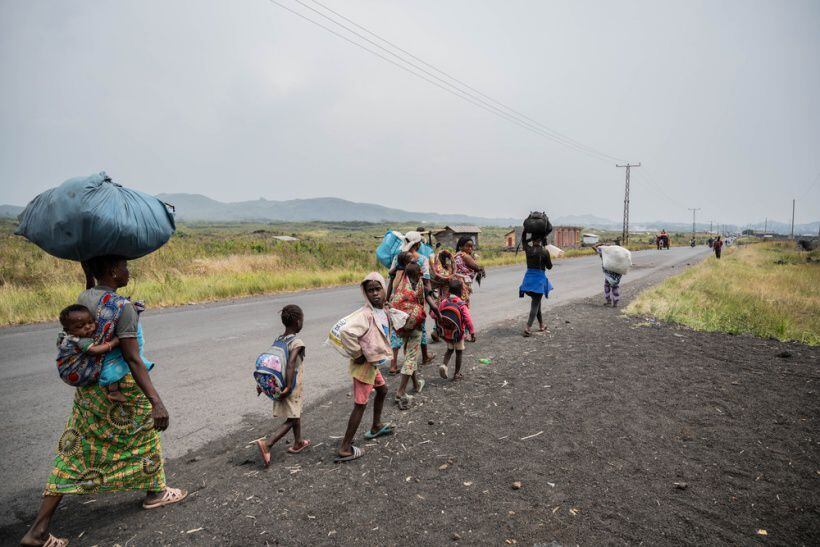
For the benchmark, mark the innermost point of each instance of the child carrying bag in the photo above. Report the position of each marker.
(450, 325)
(271, 368)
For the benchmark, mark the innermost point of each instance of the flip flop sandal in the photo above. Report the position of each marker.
(357, 453)
(171, 495)
(527, 334)
(393, 372)
(263, 451)
(305, 444)
(53, 541)
(387, 429)
(442, 371)
(430, 359)
(421, 385)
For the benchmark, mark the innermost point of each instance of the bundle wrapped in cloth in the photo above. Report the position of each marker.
(616, 259)
(92, 216)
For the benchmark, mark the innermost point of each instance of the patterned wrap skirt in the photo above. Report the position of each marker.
(108, 447)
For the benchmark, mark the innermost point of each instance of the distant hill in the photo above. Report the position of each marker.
(196, 207)
(193, 207)
(10, 211)
(588, 221)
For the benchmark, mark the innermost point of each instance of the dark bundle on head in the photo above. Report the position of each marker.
(456, 287)
(68, 311)
(291, 314)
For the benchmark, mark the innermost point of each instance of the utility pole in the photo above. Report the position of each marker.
(792, 233)
(710, 226)
(765, 225)
(693, 220)
(625, 233)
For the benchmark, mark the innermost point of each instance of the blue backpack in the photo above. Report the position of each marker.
(271, 368)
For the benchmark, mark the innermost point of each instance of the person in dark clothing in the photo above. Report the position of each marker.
(717, 245)
(535, 283)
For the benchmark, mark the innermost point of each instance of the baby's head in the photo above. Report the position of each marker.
(455, 286)
(413, 271)
(293, 317)
(78, 321)
(403, 259)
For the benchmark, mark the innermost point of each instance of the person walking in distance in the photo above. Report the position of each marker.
(717, 245)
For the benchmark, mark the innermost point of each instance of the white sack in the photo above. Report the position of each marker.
(554, 251)
(334, 338)
(616, 259)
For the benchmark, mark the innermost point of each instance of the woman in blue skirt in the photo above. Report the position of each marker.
(535, 284)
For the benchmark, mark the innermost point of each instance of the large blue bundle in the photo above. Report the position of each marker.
(389, 247)
(92, 216)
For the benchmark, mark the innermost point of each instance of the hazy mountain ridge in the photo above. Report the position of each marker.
(196, 207)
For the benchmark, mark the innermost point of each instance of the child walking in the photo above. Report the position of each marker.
(366, 339)
(289, 404)
(455, 322)
(410, 296)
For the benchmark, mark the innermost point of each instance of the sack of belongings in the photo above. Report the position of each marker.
(616, 259)
(93, 216)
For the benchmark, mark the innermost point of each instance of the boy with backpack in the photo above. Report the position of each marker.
(454, 323)
(287, 398)
(366, 340)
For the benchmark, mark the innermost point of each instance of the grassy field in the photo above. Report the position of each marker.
(207, 262)
(769, 289)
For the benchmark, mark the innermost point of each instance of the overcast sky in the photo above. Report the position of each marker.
(720, 100)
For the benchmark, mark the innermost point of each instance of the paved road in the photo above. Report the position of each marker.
(205, 355)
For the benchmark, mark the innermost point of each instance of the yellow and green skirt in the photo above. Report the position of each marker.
(108, 447)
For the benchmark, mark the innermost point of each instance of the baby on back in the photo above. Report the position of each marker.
(78, 341)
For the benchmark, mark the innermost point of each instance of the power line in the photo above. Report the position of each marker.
(461, 82)
(446, 85)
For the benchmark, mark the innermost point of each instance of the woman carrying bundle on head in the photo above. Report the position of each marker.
(535, 283)
(466, 267)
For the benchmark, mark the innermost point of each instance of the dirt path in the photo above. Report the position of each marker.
(618, 430)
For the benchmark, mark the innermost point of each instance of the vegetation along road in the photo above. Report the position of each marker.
(204, 356)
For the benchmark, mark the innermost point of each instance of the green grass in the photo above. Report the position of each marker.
(770, 290)
(206, 262)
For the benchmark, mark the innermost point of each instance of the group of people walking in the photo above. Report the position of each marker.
(111, 442)
(371, 339)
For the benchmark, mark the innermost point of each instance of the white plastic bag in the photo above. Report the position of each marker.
(554, 251)
(334, 337)
(398, 318)
(616, 259)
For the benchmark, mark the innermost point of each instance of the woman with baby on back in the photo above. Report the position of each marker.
(111, 442)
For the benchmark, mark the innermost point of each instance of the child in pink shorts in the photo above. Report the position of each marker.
(366, 339)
